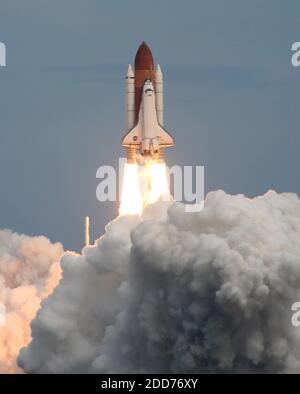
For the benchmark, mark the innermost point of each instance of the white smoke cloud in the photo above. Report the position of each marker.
(71, 323)
(179, 292)
(29, 269)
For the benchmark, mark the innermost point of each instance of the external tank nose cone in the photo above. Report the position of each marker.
(144, 58)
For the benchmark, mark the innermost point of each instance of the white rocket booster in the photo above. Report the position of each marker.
(159, 94)
(130, 108)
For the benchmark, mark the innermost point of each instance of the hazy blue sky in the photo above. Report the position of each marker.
(231, 100)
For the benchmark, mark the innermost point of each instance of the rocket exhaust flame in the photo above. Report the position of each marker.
(131, 199)
(159, 183)
(143, 184)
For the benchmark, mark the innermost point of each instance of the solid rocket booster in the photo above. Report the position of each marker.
(159, 94)
(130, 92)
(144, 108)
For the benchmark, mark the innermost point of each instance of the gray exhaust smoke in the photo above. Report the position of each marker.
(185, 293)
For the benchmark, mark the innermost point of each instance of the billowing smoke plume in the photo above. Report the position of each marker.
(68, 329)
(179, 292)
(29, 270)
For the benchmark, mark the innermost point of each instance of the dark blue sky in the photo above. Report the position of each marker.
(231, 100)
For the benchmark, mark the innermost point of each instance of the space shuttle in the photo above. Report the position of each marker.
(144, 108)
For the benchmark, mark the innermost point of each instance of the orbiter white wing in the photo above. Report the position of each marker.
(163, 137)
(133, 137)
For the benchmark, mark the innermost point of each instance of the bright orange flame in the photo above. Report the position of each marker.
(142, 185)
(159, 183)
(131, 198)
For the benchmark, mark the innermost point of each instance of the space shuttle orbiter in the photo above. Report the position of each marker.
(144, 106)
